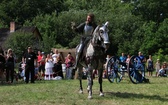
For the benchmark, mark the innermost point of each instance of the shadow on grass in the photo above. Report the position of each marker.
(138, 96)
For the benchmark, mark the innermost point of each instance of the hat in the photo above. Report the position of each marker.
(157, 59)
(42, 52)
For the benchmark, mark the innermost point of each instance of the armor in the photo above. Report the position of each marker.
(87, 32)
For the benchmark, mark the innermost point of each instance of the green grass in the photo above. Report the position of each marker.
(65, 92)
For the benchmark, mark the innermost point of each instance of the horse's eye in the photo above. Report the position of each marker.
(101, 31)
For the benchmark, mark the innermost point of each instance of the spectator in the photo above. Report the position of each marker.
(162, 71)
(105, 66)
(21, 70)
(123, 58)
(123, 63)
(55, 55)
(48, 67)
(10, 66)
(41, 64)
(142, 58)
(166, 67)
(150, 66)
(107, 59)
(58, 68)
(36, 72)
(2, 65)
(142, 63)
(157, 67)
(31, 62)
(128, 59)
(69, 61)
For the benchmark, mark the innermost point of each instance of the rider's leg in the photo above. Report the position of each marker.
(84, 40)
(78, 53)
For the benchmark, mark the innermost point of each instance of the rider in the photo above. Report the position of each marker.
(86, 29)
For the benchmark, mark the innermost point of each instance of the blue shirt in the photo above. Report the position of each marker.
(142, 58)
(123, 58)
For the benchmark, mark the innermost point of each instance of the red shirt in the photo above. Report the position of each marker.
(39, 60)
(39, 57)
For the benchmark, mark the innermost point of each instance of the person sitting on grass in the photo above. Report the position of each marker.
(162, 71)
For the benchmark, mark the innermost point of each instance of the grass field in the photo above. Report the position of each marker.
(65, 92)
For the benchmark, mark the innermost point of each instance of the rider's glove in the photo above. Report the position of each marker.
(73, 25)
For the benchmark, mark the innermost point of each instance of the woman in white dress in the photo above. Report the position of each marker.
(48, 67)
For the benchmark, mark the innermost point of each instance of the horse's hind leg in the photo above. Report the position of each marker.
(90, 82)
(100, 72)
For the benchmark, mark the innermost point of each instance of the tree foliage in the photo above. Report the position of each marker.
(19, 42)
(22, 10)
(135, 25)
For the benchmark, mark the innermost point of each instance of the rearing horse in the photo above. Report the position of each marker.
(93, 57)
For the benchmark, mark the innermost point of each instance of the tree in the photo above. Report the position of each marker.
(22, 10)
(151, 10)
(19, 41)
(135, 25)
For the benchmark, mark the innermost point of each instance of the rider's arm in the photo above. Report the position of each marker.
(79, 28)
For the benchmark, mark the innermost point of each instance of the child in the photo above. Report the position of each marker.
(22, 69)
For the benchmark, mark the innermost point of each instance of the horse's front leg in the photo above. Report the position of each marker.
(80, 79)
(90, 81)
(81, 88)
(100, 74)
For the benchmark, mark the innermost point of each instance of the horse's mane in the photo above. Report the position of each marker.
(96, 37)
(96, 31)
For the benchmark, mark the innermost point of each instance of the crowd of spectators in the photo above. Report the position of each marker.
(49, 66)
(40, 66)
(148, 65)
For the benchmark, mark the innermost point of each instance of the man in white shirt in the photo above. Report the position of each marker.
(55, 55)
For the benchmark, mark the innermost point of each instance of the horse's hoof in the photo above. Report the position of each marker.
(88, 88)
(89, 97)
(81, 92)
(101, 94)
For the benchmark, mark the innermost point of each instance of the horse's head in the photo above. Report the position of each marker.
(101, 35)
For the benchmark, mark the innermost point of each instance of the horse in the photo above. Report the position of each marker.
(93, 57)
